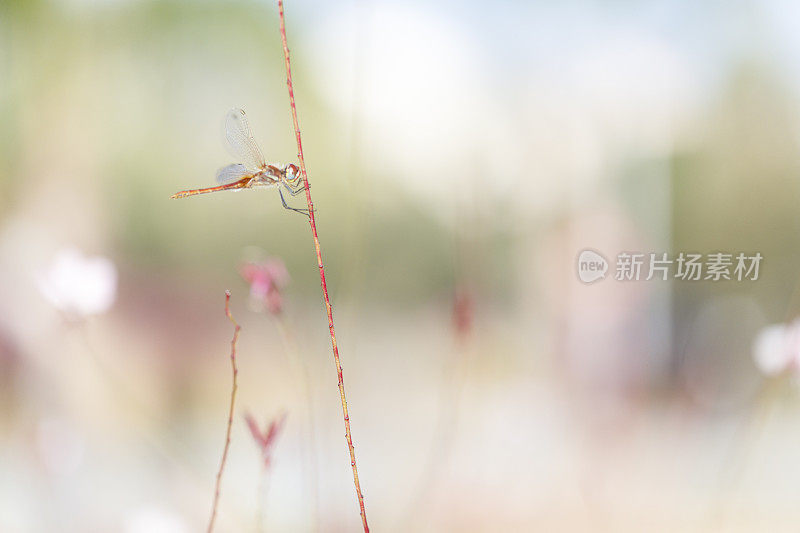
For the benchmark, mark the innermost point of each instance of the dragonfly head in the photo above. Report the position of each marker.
(292, 171)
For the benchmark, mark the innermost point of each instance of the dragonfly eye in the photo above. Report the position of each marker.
(291, 170)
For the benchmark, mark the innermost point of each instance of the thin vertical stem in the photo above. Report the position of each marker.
(313, 224)
(301, 374)
(235, 371)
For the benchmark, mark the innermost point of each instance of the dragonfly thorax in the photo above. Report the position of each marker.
(264, 178)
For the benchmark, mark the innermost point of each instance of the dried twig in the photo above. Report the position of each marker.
(230, 411)
(313, 224)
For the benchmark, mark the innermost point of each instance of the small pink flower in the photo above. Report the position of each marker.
(463, 312)
(265, 440)
(78, 285)
(776, 349)
(267, 279)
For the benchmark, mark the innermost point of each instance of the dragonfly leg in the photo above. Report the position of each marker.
(287, 206)
(295, 192)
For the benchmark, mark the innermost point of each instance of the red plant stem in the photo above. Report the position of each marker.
(230, 411)
(313, 224)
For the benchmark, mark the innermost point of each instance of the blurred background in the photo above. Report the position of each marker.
(461, 155)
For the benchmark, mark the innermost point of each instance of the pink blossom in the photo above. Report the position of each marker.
(776, 349)
(267, 279)
(79, 285)
(265, 440)
(463, 312)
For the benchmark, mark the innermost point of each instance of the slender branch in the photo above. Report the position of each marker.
(235, 371)
(312, 222)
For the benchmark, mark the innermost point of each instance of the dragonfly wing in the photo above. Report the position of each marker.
(232, 173)
(237, 131)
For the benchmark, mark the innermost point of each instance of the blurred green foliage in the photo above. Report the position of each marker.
(737, 190)
(126, 100)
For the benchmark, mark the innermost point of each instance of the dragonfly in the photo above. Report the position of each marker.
(253, 171)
